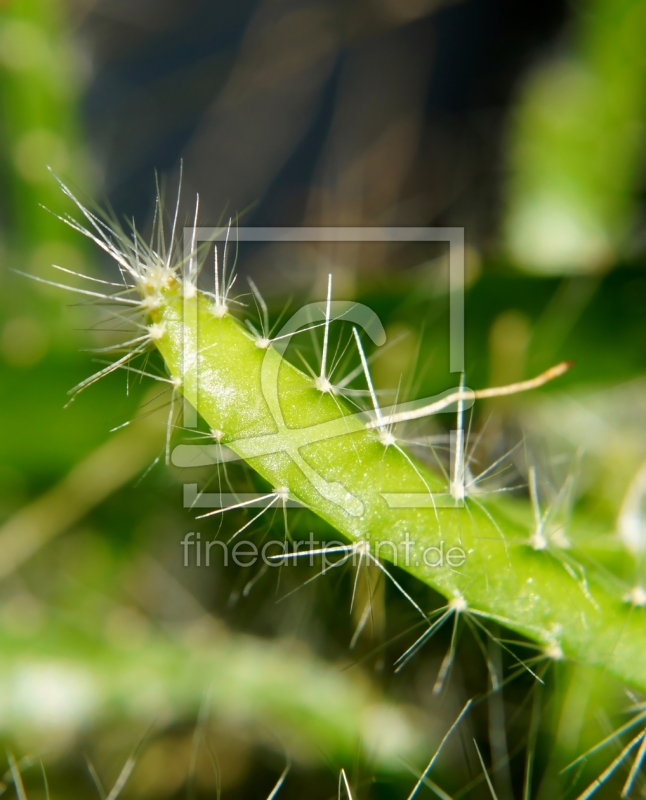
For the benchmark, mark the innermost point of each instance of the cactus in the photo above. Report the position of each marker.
(503, 563)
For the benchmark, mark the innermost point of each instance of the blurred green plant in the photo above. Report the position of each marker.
(577, 142)
(66, 678)
(575, 152)
(41, 77)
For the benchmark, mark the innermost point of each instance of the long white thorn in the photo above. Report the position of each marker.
(447, 663)
(16, 778)
(101, 373)
(192, 264)
(395, 583)
(119, 346)
(486, 772)
(217, 278)
(264, 311)
(597, 783)
(365, 616)
(366, 372)
(479, 394)
(238, 505)
(222, 300)
(344, 548)
(174, 228)
(105, 243)
(169, 425)
(326, 332)
(279, 783)
(88, 277)
(356, 580)
(457, 484)
(634, 771)
(343, 784)
(405, 657)
(110, 298)
(625, 727)
(436, 755)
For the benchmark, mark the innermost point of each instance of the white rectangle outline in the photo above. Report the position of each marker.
(453, 236)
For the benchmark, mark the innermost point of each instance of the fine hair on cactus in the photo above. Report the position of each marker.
(294, 401)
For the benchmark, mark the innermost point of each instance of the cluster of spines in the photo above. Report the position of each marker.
(150, 270)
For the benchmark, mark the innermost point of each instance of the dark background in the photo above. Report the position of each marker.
(348, 113)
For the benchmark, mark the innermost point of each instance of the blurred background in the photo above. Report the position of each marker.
(522, 123)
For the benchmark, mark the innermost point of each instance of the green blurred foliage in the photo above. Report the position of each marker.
(577, 145)
(102, 636)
